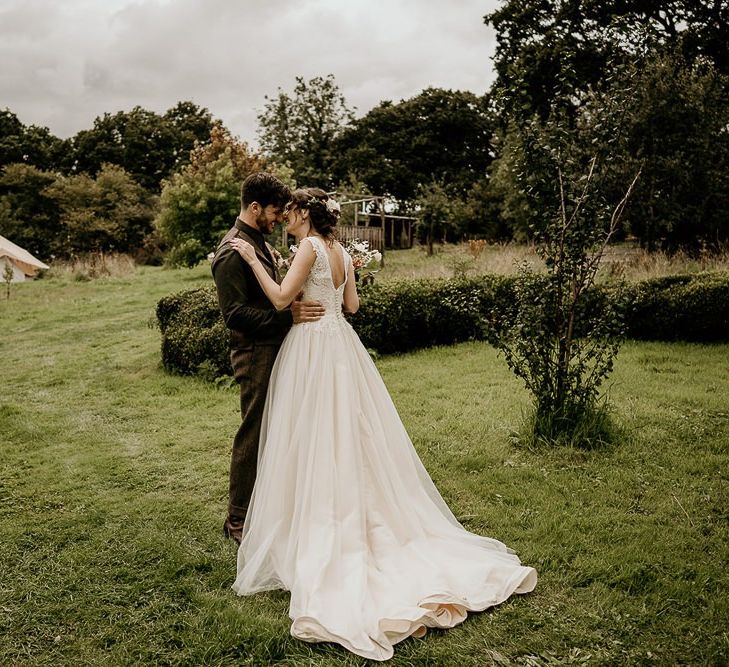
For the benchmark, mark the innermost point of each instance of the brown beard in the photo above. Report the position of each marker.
(262, 223)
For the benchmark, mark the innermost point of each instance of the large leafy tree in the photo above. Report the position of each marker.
(438, 135)
(676, 128)
(673, 127)
(29, 216)
(545, 46)
(299, 128)
(111, 212)
(147, 145)
(28, 144)
(59, 216)
(191, 125)
(199, 203)
(552, 54)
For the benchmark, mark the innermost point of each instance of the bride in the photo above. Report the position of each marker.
(343, 514)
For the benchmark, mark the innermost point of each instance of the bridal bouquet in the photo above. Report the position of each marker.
(362, 260)
(282, 263)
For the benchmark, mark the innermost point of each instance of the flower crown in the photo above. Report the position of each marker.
(331, 204)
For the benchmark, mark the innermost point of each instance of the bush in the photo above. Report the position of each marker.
(188, 253)
(408, 315)
(689, 308)
(194, 336)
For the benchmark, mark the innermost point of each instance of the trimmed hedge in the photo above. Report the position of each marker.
(195, 339)
(408, 315)
(691, 308)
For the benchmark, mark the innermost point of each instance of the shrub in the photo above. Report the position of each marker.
(408, 315)
(188, 253)
(689, 308)
(194, 336)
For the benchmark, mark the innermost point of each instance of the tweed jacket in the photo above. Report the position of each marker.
(247, 311)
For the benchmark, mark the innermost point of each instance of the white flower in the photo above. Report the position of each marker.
(333, 206)
(293, 249)
(360, 247)
(377, 256)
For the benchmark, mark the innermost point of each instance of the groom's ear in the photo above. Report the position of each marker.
(255, 208)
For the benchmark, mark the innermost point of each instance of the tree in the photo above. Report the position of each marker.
(199, 202)
(11, 132)
(8, 278)
(192, 125)
(109, 213)
(676, 129)
(570, 45)
(58, 216)
(437, 212)
(29, 216)
(495, 207)
(672, 126)
(561, 344)
(148, 146)
(300, 129)
(397, 148)
(28, 144)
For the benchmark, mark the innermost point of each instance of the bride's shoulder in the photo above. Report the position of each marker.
(309, 242)
(307, 251)
(317, 244)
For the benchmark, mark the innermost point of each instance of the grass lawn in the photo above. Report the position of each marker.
(113, 482)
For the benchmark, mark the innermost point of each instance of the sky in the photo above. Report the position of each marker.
(68, 61)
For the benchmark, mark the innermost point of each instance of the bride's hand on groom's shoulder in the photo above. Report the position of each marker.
(244, 249)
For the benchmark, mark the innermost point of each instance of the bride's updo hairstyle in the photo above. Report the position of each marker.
(323, 210)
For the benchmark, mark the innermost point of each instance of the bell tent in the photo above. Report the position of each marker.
(23, 265)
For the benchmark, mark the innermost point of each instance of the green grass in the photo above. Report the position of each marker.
(113, 481)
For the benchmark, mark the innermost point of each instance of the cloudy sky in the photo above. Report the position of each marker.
(68, 61)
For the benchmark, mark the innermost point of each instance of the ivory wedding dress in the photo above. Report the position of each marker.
(343, 514)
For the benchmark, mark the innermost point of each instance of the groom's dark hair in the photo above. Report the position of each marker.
(264, 188)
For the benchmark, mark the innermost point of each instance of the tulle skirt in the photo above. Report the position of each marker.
(345, 516)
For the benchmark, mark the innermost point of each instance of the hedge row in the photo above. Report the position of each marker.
(692, 308)
(404, 316)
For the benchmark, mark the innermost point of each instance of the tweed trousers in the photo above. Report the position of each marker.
(252, 370)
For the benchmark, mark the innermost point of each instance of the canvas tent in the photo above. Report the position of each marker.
(22, 263)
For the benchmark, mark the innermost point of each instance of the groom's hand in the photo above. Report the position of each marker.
(306, 311)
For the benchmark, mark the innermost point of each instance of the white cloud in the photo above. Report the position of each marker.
(75, 60)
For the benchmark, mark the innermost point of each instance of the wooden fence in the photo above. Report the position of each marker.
(374, 235)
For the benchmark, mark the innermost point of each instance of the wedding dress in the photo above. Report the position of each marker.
(343, 514)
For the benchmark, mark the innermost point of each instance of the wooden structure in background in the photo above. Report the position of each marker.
(358, 221)
(395, 231)
(373, 235)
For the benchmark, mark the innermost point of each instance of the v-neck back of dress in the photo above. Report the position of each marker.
(319, 284)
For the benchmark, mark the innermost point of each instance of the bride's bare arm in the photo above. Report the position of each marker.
(279, 295)
(351, 298)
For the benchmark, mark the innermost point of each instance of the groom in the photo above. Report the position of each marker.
(257, 329)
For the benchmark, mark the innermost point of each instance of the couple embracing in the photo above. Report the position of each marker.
(328, 497)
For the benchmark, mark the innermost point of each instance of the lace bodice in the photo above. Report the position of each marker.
(319, 285)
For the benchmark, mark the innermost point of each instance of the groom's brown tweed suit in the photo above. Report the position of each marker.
(257, 330)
